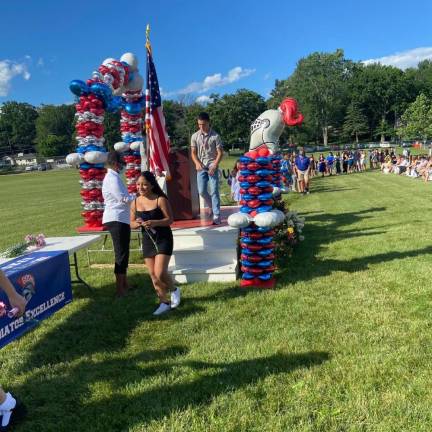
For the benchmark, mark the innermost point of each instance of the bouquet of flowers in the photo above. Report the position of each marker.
(288, 234)
(31, 242)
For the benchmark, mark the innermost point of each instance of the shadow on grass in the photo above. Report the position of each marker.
(129, 403)
(326, 228)
(103, 323)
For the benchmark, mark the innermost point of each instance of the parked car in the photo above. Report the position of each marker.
(42, 167)
(31, 168)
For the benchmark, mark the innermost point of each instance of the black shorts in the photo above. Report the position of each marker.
(159, 242)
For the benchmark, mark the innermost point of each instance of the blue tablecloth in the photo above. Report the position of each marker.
(43, 278)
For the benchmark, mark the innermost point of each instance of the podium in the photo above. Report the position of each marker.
(182, 188)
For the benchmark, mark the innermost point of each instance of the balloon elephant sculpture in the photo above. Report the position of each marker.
(102, 92)
(260, 182)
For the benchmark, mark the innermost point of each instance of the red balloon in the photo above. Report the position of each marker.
(254, 203)
(263, 151)
(253, 166)
(253, 178)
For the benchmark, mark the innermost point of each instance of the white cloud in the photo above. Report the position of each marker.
(405, 59)
(9, 70)
(267, 76)
(203, 100)
(212, 81)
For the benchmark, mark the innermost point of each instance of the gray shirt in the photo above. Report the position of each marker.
(206, 145)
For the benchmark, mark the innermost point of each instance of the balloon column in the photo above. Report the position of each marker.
(95, 96)
(260, 182)
(131, 126)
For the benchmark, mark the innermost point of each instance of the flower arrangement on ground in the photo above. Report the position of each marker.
(288, 234)
(31, 242)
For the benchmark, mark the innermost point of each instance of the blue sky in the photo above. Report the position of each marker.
(200, 47)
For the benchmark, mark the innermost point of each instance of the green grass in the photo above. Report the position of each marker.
(342, 344)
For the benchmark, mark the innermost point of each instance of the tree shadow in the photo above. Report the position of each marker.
(119, 410)
(326, 229)
(104, 323)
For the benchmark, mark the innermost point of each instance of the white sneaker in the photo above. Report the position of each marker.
(163, 308)
(175, 298)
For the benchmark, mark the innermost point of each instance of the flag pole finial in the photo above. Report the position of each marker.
(148, 46)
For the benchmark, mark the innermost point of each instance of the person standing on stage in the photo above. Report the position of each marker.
(116, 218)
(207, 152)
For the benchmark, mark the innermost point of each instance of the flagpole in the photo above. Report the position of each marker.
(146, 124)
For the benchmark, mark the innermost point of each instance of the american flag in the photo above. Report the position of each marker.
(158, 143)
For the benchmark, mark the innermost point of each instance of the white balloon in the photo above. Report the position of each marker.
(74, 159)
(239, 220)
(135, 145)
(95, 157)
(280, 215)
(121, 146)
(131, 59)
(265, 220)
(136, 84)
(108, 60)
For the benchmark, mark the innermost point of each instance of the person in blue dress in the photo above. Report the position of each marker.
(330, 161)
(322, 164)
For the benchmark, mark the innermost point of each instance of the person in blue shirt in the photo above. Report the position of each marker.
(330, 160)
(302, 167)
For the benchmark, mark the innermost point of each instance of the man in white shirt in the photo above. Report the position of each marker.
(116, 218)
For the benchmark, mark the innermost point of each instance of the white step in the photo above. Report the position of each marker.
(197, 273)
(206, 257)
(205, 237)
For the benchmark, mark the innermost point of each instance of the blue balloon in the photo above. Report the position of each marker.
(247, 251)
(263, 230)
(248, 276)
(247, 240)
(248, 229)
(248, 263)
(265, 252)
(265, 276)
(248, 197)
(262, 160)
(114, 104)
(265, 196)
(264, 263)
(265, 241)
(245, 209)
(245, 172)
(245, 185)
(263, 209)
(78, 87)
(263, 184)
(101, 90)
(264, 172)
(245, 159)
(133, 108)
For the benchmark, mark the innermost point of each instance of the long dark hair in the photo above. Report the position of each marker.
(149, 176)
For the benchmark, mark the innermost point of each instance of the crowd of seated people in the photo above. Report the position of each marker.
(419, 166)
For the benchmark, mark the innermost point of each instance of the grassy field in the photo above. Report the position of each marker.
(342, 344)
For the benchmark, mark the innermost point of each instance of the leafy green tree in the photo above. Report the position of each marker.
(54, 130)
(17, 127)
(176, 123)
(417, 119)
(232, 114)
(319, 83)
(383, 92)
(355, 123)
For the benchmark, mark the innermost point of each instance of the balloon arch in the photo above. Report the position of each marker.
(115, 86)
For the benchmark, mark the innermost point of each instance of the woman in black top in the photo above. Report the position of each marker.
(152, 212)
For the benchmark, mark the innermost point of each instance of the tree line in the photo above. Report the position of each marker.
(341, 100)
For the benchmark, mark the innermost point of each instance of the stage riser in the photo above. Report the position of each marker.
(206, 258)
(205, 254)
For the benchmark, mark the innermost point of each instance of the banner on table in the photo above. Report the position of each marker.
(43, 278)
